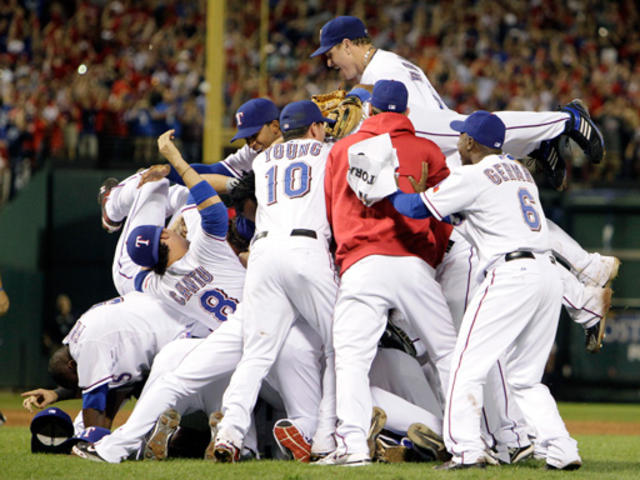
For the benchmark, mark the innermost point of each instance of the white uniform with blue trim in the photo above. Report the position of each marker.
(514, 311)
(205, 285)
(431, 116)
(114, 342)
(290, 275)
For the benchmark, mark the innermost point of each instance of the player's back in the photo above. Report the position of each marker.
(506, 214)
(290, 187)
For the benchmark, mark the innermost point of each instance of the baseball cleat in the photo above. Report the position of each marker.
(291, 441)
(157, 448)
(226, 452)
(482, 462)
(582, 129)
(553, 163)
(86, 451)
(575, 465)
(519, 454)
(345, 459)
(214, 420)
(109, 225)
(427, 442)
(378, 420)
(595, 334)
(390, 451)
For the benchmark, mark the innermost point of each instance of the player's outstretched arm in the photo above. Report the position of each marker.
(39, 398)
(409, 204)
(214, 213)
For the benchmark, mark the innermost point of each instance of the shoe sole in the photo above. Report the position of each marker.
(378, 421)
(570, 467)
(523, 454)
(586, 125)
(157, 448)
(290, 438)
(224, 454)
(214, 420)
(425, 438)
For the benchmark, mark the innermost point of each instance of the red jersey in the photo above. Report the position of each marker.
(361, 231)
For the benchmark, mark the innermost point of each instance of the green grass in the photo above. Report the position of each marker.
(604, 457)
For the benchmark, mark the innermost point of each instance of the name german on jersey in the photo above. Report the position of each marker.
(508, 172)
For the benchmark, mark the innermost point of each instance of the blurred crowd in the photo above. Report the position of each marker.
(93, 82)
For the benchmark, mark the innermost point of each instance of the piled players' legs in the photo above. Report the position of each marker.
(590, 268)
(294, 277)
(518, 308)
(368, 289)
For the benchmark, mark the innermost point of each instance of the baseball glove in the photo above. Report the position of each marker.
(345, 110)
(395, 337)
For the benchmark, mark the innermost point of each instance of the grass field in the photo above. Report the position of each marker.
(604, 455)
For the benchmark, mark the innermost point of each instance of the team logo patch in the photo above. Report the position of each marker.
(239, 116)
(141, 241)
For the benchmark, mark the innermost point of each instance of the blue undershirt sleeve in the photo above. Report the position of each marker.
(409, 204)
(96, 399)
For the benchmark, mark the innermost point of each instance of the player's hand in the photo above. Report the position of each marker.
(167, 148)
(4, 302)
(154, 174)
(421, 185)
(39, 398)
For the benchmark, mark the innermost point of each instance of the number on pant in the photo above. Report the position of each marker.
(218, 303)
(529, 212)
(297, 181)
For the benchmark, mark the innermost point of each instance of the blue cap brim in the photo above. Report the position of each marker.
(322, 50)
(457, 125)
(246, 132)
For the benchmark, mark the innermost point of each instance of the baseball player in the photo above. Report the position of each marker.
(125, 207)
(516, 308)
(290, 267)
(110, 347)
(347, 47)
(384, 262)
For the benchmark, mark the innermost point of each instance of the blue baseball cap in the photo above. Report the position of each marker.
(362, 93)
(252, 115)
(143, 243)
(300, 114)
(390, 96)
(484, 127)
(336, 30)
(50, 429)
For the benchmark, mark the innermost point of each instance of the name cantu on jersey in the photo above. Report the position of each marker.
(190, 284)
(508, 171)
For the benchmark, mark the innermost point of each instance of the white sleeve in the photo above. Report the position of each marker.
(454, 194)
(95, 366)
(240, 162)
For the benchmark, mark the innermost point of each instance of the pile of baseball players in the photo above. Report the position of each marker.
(412, 227)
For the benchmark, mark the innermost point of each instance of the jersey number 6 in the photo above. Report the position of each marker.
(529, 213)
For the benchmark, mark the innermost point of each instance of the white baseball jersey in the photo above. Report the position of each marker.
(239, 162)
(431, 117)
(204, 285)
(114, 342)
(290, 187)
(474, 193)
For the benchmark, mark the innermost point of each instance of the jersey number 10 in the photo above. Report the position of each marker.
(297, 181)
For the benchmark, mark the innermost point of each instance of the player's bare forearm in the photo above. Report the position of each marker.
(95, 418)
(39, 398)
(220, 183)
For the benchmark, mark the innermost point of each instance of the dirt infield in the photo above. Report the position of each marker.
(22, 418)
